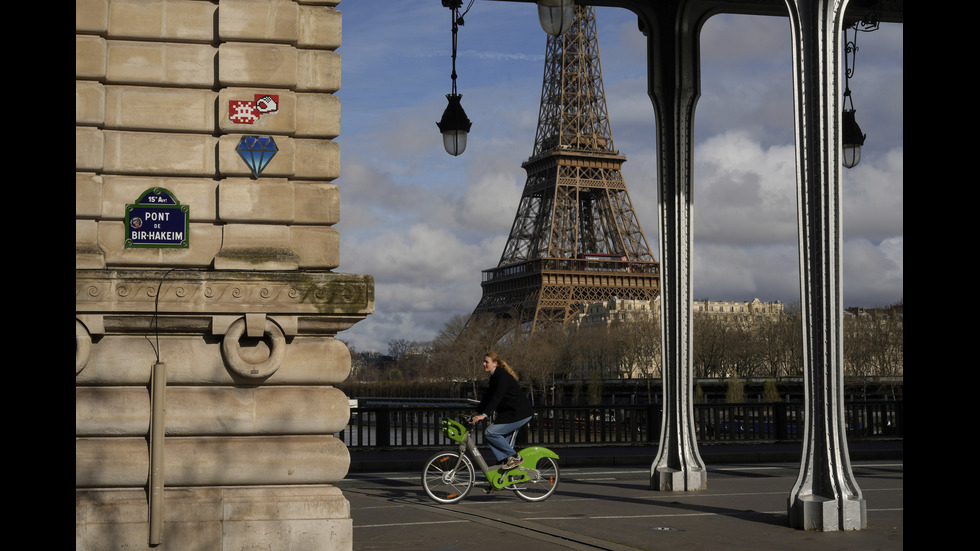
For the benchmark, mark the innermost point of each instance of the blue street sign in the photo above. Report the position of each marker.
(157, 219)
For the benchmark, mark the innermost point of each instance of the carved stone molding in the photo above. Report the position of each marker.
(216, 292)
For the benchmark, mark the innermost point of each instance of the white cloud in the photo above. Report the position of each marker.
(744, 193)
(873, 273)
(490, 204)
(423, 253)
(873, 198)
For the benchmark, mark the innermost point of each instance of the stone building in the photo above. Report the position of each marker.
(206, 302)
(893, 313)
(744, 311)
(617, 309)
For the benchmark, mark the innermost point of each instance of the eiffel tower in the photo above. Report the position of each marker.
(575, 238)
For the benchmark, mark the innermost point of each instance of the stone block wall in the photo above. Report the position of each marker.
(204, 398)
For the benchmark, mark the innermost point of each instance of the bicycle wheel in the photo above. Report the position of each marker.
(447, 477)
(544, 481)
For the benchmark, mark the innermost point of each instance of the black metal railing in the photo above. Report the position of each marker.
(385, 427)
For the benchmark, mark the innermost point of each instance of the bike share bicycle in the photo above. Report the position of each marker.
(449, 476)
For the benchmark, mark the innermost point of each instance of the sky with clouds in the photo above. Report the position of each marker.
(425, 224)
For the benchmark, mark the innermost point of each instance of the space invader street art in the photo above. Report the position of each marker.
(249, 111)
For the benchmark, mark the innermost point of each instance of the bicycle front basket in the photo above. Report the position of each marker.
(453, 430)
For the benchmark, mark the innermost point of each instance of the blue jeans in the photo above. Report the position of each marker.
(500, 438)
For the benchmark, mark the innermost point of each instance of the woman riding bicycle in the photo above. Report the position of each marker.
(506, 399)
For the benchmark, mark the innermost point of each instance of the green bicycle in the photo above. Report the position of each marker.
(449, 476)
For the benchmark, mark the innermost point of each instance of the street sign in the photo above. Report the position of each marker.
(157, 220)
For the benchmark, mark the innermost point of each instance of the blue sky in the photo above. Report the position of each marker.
(425, 224)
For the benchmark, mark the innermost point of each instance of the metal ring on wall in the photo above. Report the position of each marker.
(232, 351)
(83, 346)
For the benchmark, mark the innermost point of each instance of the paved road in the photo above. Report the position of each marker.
(600, 508)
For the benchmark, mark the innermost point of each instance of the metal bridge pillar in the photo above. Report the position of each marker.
(673, 64)
(826, 495)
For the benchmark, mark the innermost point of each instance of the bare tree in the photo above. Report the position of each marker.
(459, 347)
(416, 361)
(641, 348)
(455, 352)
(397, 347)
(874, 345)
(743, 351)
(779, 340)
(709, 346)
(595, 351)
(544, 359)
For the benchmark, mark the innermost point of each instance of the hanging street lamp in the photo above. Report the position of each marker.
(851, 136)
(454, 125)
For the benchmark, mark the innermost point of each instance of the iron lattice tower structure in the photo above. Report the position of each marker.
(576, 238)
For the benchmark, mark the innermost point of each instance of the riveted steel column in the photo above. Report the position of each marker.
(826, 495)
(673, 68)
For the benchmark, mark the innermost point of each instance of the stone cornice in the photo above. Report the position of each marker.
(223, 292)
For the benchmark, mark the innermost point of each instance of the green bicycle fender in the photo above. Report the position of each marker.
(534, 453)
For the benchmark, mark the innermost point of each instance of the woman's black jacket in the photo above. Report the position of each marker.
(505, 397)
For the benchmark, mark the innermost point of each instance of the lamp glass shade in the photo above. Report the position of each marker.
(454, 141)
(852, 155)
(556, 16)
(852, 139)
